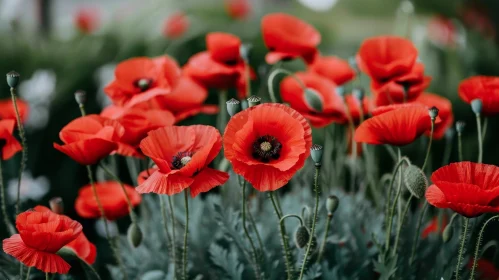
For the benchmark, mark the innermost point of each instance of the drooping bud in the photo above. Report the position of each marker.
(332, 204)
(415, 181)
(80, 97)
(447, 233)
(359, 93)
(476, 106)
(13, 79)
(302, 235)
(244, 51)
(313, 99)
(56, 205)
(233, 107)
(433, 112)
(134, 235)
(460, 126)
(316, 153)
(254, 100)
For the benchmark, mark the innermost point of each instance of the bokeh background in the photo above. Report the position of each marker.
(61, 46)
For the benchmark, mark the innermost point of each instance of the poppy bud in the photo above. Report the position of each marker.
(433, 112)
(306, 215)
(13, 79)
(254, 100)
(80, 97)
(134, 235)
(415, 181)
(56, 205)
(358, 93)
(476, 106)
(244, 50)
(313, 99)
(302, 235)
(332, 204)
(316, 153)
(447, 233)
(460, 126)
(233, 107)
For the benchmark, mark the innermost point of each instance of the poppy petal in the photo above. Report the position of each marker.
(88, 152)
(206, 180)
(161, 183)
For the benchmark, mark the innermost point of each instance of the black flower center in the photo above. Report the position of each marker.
(232, 62)
(181, 159)
(143, 84)
(3, 142)
(266, 148)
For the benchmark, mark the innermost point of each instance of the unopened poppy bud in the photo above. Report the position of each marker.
(415, 181)
(316, 153)
(447, 233)
(134, 235)
(244, 51)
(56, 205)
(254, 100)
(460, 126)
(80, 97)
(332, 204)
(13, 79)
(433, 112)
(476, 106)
(302, 235)
(233, 107)
(358, 93)
(313, 99)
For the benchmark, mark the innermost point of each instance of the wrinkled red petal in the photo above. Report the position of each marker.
(206, 180)
(485, 88)
(88, 152)
(161, 183)
(7, 111)
(223, 47)
(213, 74)
(333, 68)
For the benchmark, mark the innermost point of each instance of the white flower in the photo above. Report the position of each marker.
(31, 188)
(318, 5)
(104, 75)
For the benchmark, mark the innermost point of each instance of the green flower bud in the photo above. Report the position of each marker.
(316, 153)
(476, 106)
(134, 235)
(254, 100)
(80, 97)
(447, 233)
(302, 235)
(313, 99)
(13, 79)
(415, 181)
(332, 204)
(233, 107)
(56, 205)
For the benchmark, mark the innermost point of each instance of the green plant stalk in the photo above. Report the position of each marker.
(129, 203)
(24, 146)
(480, 140)
(284, 239)
(8, 224)
(186, 233)
(27, 275)
(253, 224)
(460, 146)
(165, 225)
(278, 203)
(292, 216)
(113, 246)
(485, 125)
(174, 243)
(314, 221)
(222, 104)
(246, 232)
(82, 109)
(418, 229)
(270, 82)
(399, 226)
(478, 244)
(461, 247)
(323, 245)
(447, 151)
(46, 276)
(247, 73)
(429, 145)
(351, 126)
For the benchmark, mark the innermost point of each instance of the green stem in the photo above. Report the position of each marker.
(82, 110)
(24, 156)
(46, 276)
(222, 104)
(461, 247)
(174, 243)
(314, 221)
(270, 82)
(186, 233)
(485, 125)
(291, 216)
(460, 146)
(165, 225)
(480, 140)
(416, 235)
(113, 246)
(447, 151)
(129, 203)
(477, 247)
(8, 224)
(284, 240)
(278, 203)
(247, 70)
(323, 245)
(429, 145)
(246, 232)
(27, 274)
(253, 224)
(399, 226)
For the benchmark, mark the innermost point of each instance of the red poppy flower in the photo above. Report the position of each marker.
(433, 227)
(83, 248)
(144, 175)
(444, 112)
(397, 127)
(182, 154)
(333, 108)
(385, 57)
(334, 68)
(8, 143)
(485, 88)
(470, 189)
(87, 20)
(238, 9)
(176, 25)
(288, 37)
(112, 198)
(7, 111)
(267, 144)
(142, 78)
(223, 47)
(41, 235)
(486, 270)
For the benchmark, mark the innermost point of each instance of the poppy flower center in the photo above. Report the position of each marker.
(3, 142)
(181, 159)
(144, 84)
(266, 148)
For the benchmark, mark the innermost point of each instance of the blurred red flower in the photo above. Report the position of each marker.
(444, 112)
(486, 270)
(288, 37)
(485, 88)
(433, 227)
(398, 127)
(176, 25)
(267, 144)
(7, 111)
(87, 20)
(41, 235)
(442, 31)
(112, 198)
(334, 68)
(9, 145)
(182, 154)
(144, 175)
(470, 189)
(238, 9)
(354, 108)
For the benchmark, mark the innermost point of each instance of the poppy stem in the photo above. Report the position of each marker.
(186, 233)
(82, 110)
(480, 140)
(460, 146)
(485, 125)
(270, 82)
(461, 247)
(46, 276)
(314, 221)
(113, 246)
(253, 224)
(247, 73)
(292, 216)
(429, 145)
(447, 150)
(165, 225)
(8, 224)
(399, 226)
(24, 155)
(222, 105)
(323, 245)
(174, 243)
(478, 244)
(246, 232)
(284, 240)
(29, 270)
(416, 235)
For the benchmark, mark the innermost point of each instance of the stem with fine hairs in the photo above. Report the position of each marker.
(24, 156)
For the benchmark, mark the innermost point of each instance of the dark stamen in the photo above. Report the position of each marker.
(266, 148)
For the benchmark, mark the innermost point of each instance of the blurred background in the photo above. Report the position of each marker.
(61, 46)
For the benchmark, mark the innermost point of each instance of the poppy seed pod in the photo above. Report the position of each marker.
(134, 235)
(476, 106)
(358, 93)
(80, 97)
(254, 100)
(244, 104)
(447, 233)
(313, 99)
(13, 79)
(433, 112)
(316, 153)
(56, 205)
(233, 107)
(302, 235)
(460, 126)
(415, 181)
(332, 204)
